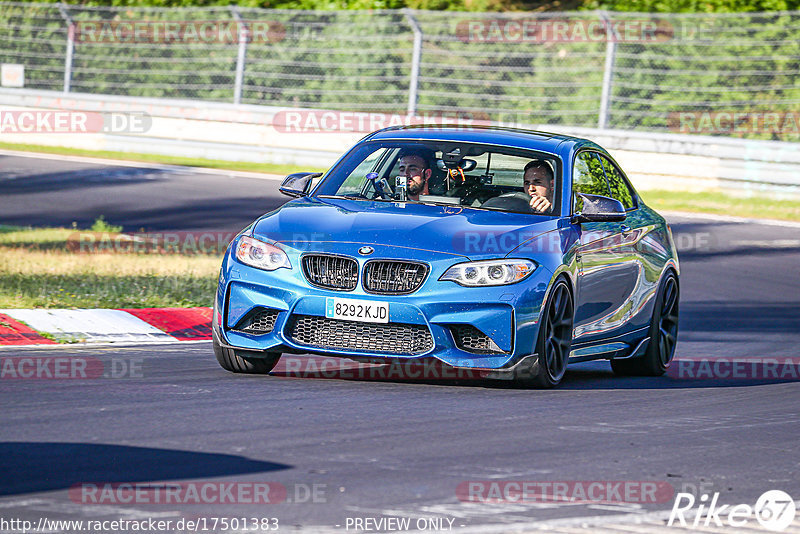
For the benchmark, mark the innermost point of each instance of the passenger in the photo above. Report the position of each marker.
(538, 179)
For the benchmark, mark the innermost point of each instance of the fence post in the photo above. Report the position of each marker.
(70, 46)
(241, 55)
(415, 60)
(608, 72)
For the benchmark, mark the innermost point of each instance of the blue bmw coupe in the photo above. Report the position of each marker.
(508, 251)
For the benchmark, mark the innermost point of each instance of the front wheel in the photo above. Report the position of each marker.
(663, 334)
(244, 361)
(554, 340)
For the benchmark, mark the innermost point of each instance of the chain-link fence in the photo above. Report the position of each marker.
(733, 74)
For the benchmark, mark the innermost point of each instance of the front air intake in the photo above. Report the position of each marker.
(393, 277)
(470, 339)
(377, 338)
(330, 272)
(259, 321)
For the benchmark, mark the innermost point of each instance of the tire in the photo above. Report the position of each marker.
(244, 361)
(663, 334)
(554, 340)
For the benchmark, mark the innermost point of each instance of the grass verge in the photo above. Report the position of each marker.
(39, 270)
(759, 207)
(267, 168)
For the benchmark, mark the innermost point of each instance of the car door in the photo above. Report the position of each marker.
(606, 273)
(632, 248)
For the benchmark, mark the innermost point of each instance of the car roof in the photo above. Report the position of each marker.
(490, 135)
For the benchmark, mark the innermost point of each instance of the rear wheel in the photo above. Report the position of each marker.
(554, 339)
(244, 361)
(663, 334)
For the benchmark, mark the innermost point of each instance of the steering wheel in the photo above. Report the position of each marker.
(376, 182)
(517, 201)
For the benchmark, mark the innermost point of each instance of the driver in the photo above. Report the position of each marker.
(415, 165)
(538, 179)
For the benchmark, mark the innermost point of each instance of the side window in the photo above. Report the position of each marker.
(588, 178)
(617, 184)
(355, 181)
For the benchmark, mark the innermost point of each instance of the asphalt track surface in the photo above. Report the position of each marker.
(58, 191)
(378, 448)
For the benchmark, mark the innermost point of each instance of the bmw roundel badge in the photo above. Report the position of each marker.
(366, 251)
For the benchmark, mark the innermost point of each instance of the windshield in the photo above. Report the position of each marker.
(477, 176)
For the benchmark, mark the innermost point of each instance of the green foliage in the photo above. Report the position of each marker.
(639, 6)
(721, 63)
(616, 184)
(42, 289)
(588, 178)
(693, 6)
(332, 5)
(101, 225)
(39, 268)
(743, 205)
(360, 61)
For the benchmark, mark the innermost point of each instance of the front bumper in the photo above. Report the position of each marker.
(508, 315)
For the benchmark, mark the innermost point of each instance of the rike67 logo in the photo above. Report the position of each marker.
(774, 510)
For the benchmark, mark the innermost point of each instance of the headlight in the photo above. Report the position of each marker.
(261, 255)
(489, 273)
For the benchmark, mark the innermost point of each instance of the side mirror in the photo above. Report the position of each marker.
(296, 185)
(598, 208)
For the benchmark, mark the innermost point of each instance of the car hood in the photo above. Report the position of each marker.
(465, 232)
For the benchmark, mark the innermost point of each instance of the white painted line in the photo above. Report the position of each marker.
(647, 522)
(119, 344)
(14, 503)
(652, 518)
(185, 169)
(729, 218)
(92, 325)
(89, 510)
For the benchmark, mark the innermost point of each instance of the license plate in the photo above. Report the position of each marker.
(366, 311)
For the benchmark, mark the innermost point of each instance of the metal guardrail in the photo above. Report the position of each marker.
(580, 69)
(243, 132)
